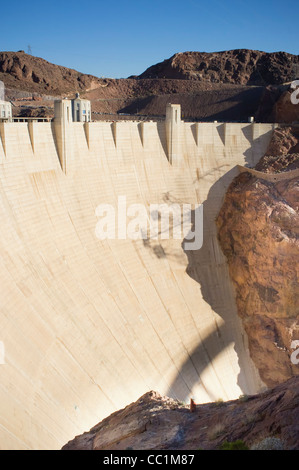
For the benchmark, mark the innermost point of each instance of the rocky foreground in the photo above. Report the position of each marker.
(156, 423)
(258, 229)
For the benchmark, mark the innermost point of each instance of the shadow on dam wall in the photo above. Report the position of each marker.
(208, 267)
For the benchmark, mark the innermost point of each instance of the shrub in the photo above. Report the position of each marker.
(216, 431)
(269, 443)
(218, 402)
(236, 445)
(243, 398)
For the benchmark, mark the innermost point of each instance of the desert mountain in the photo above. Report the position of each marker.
(224, 86)
(240, 66)
(26, 72)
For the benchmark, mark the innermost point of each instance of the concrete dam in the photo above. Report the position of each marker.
(88, 325)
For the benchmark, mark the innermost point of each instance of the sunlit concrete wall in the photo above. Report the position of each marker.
(88, 326)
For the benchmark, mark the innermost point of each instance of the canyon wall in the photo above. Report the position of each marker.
(258, 229)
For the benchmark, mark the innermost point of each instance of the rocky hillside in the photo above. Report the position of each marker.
(258, 228)
(240, 66)
(25, 72)
(221, 94)
(160, 423)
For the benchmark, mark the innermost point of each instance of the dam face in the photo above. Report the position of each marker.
(89, 325)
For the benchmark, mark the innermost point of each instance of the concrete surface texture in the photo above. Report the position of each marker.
(89, 325)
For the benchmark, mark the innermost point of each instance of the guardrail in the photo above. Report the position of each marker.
(31, 119)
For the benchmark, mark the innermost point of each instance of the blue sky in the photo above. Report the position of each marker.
(118, 38)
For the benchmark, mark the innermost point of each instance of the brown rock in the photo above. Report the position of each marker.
(240, 66)
(258, 229)
(24, 71)
(156, 423)
(137, 424)
(284, 141)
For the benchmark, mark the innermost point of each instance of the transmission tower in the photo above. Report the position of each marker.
(29, 50)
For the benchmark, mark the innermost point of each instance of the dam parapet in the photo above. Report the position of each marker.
(174, 139)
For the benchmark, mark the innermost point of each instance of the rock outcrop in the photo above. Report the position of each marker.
(23, 71)
(159, 423)
(240, 66)
(258, 228)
